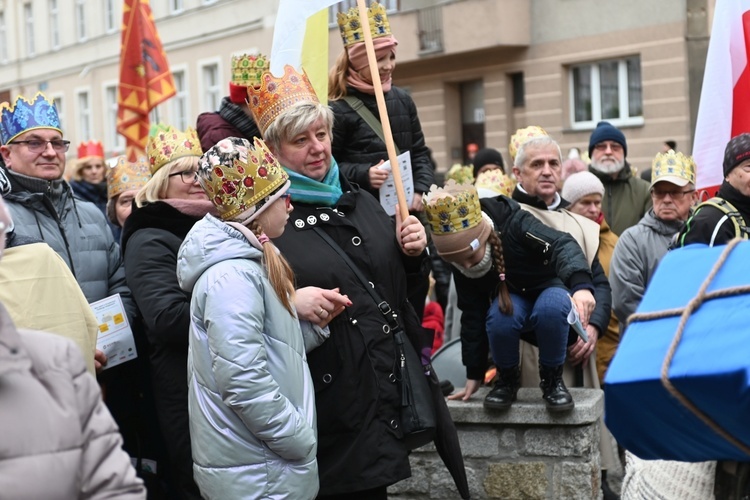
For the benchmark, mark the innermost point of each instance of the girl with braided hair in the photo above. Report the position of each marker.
(515, 278)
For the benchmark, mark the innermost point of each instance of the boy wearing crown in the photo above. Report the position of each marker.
(42, 203)
(234, 119)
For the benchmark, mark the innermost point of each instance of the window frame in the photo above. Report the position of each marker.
(84, 122)
(80, 19)
(174, 8)
(391, 6)
(181, 96)
(114, 140)
(54, 21)
(3, 39)
(203, 89)
(110, 17)
(28, 22)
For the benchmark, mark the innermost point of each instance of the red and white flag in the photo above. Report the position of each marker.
(724, 110)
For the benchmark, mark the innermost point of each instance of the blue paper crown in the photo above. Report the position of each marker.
(24, 115)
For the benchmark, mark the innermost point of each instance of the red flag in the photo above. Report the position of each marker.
(145, 79)
(724, 110)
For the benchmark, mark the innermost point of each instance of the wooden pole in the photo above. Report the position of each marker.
(380, 98)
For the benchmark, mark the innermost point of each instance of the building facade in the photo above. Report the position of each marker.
(477, 69)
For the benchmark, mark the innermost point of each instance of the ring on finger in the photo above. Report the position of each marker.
(320, 312)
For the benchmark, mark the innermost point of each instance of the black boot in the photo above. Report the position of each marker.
(504, 393)
(554, 392)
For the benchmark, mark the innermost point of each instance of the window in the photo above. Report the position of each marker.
(115, 140)
(345, 5)
(110, 16)
(84, 117)
(180, 101)
(175, 6)
(28, 16)
(81, 20)
(519, 91)
(54, 24)
(3, 40)
(154, 116)
(606, 90)
(58, 102)
(211, 89)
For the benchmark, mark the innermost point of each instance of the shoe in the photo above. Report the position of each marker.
(504, 393)
(554, 392)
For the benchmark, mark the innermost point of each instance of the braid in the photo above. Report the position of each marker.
(280, 274)
(503, 296)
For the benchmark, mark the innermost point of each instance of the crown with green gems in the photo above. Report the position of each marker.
(351, 27)
(25, 115)
(452, 208)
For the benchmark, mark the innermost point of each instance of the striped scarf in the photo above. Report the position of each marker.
(306, 190)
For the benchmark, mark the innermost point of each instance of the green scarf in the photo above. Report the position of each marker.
(306, 190)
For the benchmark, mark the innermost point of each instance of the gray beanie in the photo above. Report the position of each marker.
(579, 185)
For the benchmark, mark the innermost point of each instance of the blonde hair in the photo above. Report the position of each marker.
(295, 120)
(80, 164)
(156, 187)
(280, 273)
(337, 77)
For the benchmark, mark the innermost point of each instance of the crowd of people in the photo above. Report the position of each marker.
(265, 368)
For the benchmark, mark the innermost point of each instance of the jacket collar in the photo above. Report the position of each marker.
(733, 196)
(522, 196)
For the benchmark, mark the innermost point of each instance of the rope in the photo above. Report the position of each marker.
(685, 314)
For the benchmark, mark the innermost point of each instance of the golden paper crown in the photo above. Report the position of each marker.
(351, 27)
(522, 135)
(462, 174)
(238, 177)
(126, 176)
(268, 100)
(676, 168)
(168, 144)
(494, 182)
(247, 69)
(452, 208)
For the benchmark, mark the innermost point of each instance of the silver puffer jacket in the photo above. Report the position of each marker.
(251, 398)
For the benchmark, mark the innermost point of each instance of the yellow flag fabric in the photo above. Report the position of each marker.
(315, 53)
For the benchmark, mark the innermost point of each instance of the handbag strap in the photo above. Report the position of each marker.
(383, 306)
(359, 107)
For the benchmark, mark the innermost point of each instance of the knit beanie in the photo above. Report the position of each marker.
(581, 184)
(604, 131)
(737, 151)
(487, 156)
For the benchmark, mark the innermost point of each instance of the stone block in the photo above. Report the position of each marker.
(576, 481)
(418, 485)
(517, 481)
(558, 441)
(479, 441)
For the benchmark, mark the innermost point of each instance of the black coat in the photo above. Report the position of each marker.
(701, 226)
(151, 239)
(357, 399)
(357, 147)
(536, 257)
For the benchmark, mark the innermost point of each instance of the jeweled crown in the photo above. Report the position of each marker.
(126, 176)
(238, 176)
(91, 149)
(247, 69)
(350, 26)
(672, 164)
(452, 208)
(268, 100)
(25, 115)
(169, 144)
(495, 181)
(522, 135)
(462, 174)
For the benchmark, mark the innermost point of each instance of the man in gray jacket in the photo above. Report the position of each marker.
(43, 206)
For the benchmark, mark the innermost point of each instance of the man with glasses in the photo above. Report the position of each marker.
(641, 247)
(42, 203)
(626, 197)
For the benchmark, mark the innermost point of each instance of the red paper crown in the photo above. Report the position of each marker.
(91, 149)
(274, 95)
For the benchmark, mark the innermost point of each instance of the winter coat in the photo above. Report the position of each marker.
(360, 443)
(251, 398)
(636, 255)
(96, 194)
(230, 121)
(75, 229)
(536, 257)
(151, 239)
(357, 147)
(607, 344)
(626, 198)
(706, 225)
(58, 439)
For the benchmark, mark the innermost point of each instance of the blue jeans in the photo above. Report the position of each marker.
(546, 316)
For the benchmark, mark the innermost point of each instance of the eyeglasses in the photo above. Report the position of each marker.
(675, 195)
(188, 176)
(287, 199)
(38, 145)
(614, 146)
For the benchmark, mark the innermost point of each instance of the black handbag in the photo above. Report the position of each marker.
(418, 421)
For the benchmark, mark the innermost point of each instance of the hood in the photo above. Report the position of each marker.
(209, 242)
(659, 226)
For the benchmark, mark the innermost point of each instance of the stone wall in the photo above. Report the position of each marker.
(524, 453)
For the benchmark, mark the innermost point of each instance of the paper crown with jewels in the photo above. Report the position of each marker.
(523, 135)
(239, 177)
(453, 208)
(246, 72)
(91, 149)
(168, 144)
(25, 115)
(676, 168)
(351, 27)
(461, 174)
(268, 100)
(126, 176)
(491, 183)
